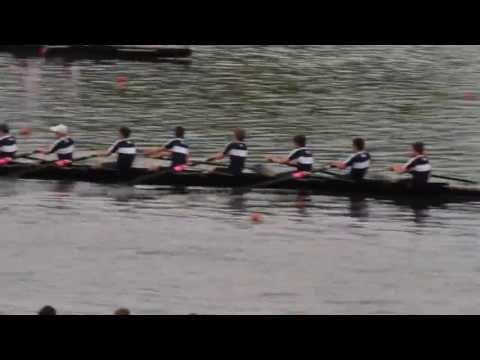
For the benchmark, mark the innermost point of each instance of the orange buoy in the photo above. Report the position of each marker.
(256, 217)
(469, 96)
(25, 131)
(122, 82)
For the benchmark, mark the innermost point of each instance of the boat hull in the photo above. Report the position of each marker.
(323, 185)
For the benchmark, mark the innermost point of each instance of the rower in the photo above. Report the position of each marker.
(176, 149)
(418, 166)
(358, 162)
(300, 157)
(8, 144)
(125, 149)
(63, 146)
(236, 150)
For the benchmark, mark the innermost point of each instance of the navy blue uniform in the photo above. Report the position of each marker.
(238, 152)
(64, 148)
(302, 158)
(179, 151)
(126, 150)
(8, 146)
(419, 167)
(358, 164)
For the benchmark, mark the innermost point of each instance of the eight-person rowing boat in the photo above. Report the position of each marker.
(181, 171)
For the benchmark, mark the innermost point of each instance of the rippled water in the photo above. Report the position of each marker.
(86, 248)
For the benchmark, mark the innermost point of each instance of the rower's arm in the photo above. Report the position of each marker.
(399, 168)
(339, 164)
(150, 151)
(51, 150)
(283, 160)
(157, 152)
(160, 153)
(111, 150)
(218, 156)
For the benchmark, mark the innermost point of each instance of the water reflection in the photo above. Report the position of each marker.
(303, 200)
(63, 188)
(237, 201)
(7, 188)
(358, 207)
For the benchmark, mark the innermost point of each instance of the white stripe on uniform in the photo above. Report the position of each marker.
(422, 168)
(180, 149)
(9, 148)
(305, 160)
(238, 152)
(67, 150)
(127, 150)
(361, 165)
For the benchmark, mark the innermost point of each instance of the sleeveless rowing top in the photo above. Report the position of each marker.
(8, 146)
(179, 151)
(238, 152)
(302, 158)
(419, 167)
(358, 164)
(126, 150)
(64, 147)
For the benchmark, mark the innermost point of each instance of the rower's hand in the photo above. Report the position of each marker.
(269, 158)
(40, 151)
(146, 152)
(398, 168)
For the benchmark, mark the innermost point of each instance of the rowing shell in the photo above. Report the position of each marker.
(321, 185)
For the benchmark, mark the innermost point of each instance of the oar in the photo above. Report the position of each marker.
(285, 176)
(297, 175)
(450, 178)
(259, 168)
(454, 178)
(24, 155)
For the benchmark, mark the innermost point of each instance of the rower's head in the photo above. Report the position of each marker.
(239, 134)
(179, 132)
(300, 140)
(122, 311)
(124, 132)
(418, 148)
(47, 310)
(358, 144)
(59, 130)
(4, 129)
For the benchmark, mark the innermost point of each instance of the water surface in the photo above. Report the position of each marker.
(86, 248)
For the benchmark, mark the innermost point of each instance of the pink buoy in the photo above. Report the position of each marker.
(121, 82)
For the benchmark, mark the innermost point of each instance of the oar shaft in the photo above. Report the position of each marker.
(454, 179)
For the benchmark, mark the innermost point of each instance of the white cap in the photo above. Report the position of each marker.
(62, 129)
